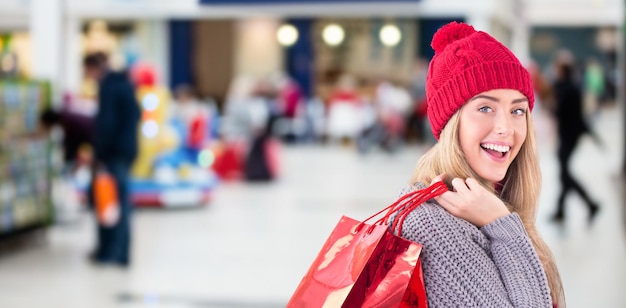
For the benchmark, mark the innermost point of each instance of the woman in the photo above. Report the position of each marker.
(480, 244)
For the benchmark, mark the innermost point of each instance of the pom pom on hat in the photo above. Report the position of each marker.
(449, 33)
(466, 63)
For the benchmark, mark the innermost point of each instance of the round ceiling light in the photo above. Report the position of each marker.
(333, 34)
(390, 35)
(287, 35)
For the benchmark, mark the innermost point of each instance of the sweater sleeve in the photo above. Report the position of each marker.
(464, 267)
(517, 261)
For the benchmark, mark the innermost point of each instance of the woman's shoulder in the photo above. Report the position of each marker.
(431, 219)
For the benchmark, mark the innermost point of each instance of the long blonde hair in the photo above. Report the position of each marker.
(520, 190)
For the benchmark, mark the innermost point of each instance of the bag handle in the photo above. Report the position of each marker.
(404, 205)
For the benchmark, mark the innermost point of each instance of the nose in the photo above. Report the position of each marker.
(502, 124)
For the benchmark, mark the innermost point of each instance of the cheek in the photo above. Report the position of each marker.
(472, 130)
(520, 136)
(466, 139)
(521, 130)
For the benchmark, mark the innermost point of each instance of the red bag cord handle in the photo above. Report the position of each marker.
(405, 204)
(431, 192)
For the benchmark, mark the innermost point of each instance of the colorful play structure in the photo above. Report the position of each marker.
(174, 164)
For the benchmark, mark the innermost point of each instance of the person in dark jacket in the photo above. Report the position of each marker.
(115, 148)
(571, 126)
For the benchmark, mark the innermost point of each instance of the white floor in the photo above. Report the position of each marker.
(251, 245)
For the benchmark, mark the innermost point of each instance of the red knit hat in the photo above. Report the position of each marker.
(468, 62)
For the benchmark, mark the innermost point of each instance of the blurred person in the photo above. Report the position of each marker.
(373, 132)
(186, 106)
(541, 86)
(71, 183)
(345, 106)
(115, 148)
(611, 78)
(395, 104)
(235, 128)
(77, 132)
(194, 115)
(571, 126)
(593, 87)
(544, 102)
(480, 244)
(260, 160)
(286, 91)
(390, 106)
(417, 120)
(314, 115)
(560, 56)
(290, 100)
(235, 124)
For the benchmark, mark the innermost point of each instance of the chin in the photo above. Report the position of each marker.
(493, 178)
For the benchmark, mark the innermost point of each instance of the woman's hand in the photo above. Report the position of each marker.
(471, 201)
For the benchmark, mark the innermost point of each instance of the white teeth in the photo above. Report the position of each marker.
(496, 147)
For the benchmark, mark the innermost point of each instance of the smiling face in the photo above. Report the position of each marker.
(492, 130)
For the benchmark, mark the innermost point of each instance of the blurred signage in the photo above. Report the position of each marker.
(236, 2)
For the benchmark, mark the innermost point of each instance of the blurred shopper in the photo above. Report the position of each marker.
(77, 132)
(480, 244)
(186, 106)
(594, 87)
(195, 117)
(264, 111)
(571, 126)
(74, 178)
(417, 122)
(262, 159)
(541, 86)
(290, 100)
(345, 111)
(390, 106)
(115, 145)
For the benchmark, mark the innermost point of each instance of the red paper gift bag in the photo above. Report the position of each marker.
(363, 265)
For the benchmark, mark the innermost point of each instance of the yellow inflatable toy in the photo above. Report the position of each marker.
(155, 137)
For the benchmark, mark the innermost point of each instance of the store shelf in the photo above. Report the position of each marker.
(24, 158)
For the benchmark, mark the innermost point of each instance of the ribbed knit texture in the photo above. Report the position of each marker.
(466, 63)
(464, 266)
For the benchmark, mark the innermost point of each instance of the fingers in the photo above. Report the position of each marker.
(438, 178)
(472, 183)
(469, 200)
(452, 201)
(449, 201)
(460, 185)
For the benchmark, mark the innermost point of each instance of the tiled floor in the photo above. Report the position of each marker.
(251, 245)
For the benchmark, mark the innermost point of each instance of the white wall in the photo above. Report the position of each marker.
(46, 36)
(575, 12)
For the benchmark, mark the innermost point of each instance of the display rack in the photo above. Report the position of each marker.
(25, 173)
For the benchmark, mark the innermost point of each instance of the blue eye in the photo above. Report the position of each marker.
(485, 109)
(520, 111)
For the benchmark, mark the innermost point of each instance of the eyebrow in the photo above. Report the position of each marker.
(491, 98)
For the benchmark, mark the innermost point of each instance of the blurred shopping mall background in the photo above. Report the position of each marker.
(264, 121)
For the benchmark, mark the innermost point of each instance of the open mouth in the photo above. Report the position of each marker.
(496, 150)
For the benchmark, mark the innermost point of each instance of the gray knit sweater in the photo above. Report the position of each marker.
(466, 266)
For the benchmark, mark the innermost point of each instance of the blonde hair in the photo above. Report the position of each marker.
(520, 190)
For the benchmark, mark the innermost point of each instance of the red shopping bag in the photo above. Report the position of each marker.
(366, 265)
